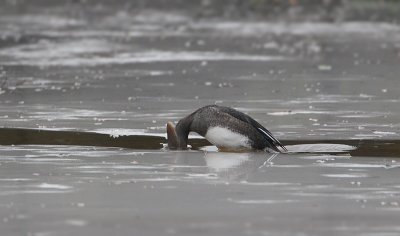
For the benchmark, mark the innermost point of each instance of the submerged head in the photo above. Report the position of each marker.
(176, 139)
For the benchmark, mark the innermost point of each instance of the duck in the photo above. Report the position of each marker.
(226, 128)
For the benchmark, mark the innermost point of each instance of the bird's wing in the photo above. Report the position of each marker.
(245, 118)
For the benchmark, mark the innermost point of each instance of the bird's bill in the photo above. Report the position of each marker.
(172, 137)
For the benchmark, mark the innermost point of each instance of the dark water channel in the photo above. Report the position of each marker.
(18, 136)
(87, 88)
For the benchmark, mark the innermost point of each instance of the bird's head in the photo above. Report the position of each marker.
(176, 140)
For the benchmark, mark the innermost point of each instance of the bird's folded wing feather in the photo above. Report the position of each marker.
(245, 118)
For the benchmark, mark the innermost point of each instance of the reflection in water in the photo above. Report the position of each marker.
(210, 164)
(237, 166)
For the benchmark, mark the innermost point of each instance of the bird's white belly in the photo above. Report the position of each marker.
(223, 137)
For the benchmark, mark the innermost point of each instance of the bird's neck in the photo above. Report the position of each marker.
(183, 130)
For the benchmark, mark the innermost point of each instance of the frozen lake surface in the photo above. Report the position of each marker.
(64, 190)
(125, 72)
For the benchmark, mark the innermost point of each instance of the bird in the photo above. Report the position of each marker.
(224, 127)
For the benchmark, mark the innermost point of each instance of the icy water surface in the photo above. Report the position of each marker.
(101, 75)
(114, 69)
(64, 190)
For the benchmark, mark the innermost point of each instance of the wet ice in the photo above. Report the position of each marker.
(123, 73)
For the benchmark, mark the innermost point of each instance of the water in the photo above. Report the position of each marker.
(59, 190)
(100, 82)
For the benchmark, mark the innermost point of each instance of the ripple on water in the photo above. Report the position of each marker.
(59, 54)
(76, 222)
(301, 28)
(353, 175)
(262, 201)
(319, 148)
(53, 186)
(359, 165)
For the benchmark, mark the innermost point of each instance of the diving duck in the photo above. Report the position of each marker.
(224, 127)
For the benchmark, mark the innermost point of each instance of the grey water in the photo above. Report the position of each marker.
(120, 71)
